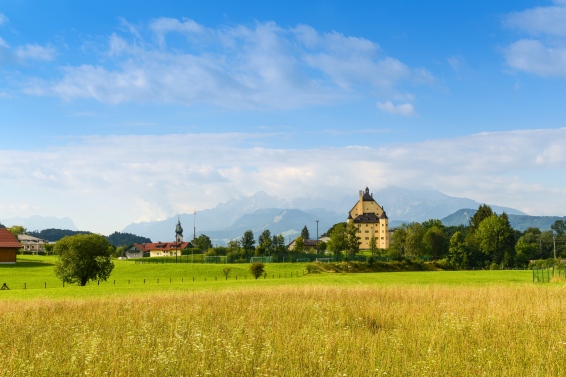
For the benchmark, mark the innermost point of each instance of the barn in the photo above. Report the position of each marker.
(9, 246)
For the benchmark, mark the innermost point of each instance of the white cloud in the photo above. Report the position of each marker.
(545, 55)
(3, 19)
(405, 109)
(36, 52)
(3, 43)
(104, 183)
(534, 57)
(540, 20)
(259, 66)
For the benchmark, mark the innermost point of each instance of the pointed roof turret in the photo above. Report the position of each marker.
(179, 228)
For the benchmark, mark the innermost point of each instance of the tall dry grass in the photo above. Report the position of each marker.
(292, 331)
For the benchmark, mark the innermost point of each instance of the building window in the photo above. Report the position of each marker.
(367, 238)
(367, 231)
(382, 238)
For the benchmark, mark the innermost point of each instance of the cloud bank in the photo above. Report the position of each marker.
(259, 66)
(104, 183)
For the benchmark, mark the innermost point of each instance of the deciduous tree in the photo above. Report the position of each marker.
(299, 245)
(203, 243)
(257, 269)
(83, 257)
(337, 242)
(17, 230)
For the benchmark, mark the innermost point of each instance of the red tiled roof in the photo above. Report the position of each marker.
(7, 239)
(162, 246)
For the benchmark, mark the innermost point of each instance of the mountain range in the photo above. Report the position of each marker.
(261, 211)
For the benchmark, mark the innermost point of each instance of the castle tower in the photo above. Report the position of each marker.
(371, 220)
(179, 231)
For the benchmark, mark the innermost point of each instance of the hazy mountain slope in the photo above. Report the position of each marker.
(519, 222)
(288, 222)
(229, 220)
(217, 218)
(40, 223)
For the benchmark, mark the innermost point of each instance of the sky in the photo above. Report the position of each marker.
(113, 112)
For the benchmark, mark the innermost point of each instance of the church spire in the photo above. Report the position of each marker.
(179, 230)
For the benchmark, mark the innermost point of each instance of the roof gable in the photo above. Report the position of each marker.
(7, 239)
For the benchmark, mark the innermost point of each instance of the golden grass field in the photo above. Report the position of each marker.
(300, 330)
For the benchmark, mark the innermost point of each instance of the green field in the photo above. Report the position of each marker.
(445, 323)
(35, 274)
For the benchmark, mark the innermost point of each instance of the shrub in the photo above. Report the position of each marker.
(310, 268)
(257, 269)
(371, 260)
(226, 271)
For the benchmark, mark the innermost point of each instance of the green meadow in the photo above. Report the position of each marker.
(33, 276)
(434, 323)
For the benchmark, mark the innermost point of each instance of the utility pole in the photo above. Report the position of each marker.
(194, 236)
(317, 236)
(554, 241)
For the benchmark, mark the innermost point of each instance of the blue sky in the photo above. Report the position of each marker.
(132, 113)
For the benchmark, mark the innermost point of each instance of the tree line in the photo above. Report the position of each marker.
(488, 241)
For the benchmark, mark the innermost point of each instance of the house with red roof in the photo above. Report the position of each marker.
(156, 249)
(159, 249)
(9, 246)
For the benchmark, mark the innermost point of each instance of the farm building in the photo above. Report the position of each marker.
(9, 246)
(310, 246)
(371, 220)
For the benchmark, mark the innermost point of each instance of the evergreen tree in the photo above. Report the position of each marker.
(264, 243)
(278, 244)
(484, 211)
(248, 241)
(305, 233)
